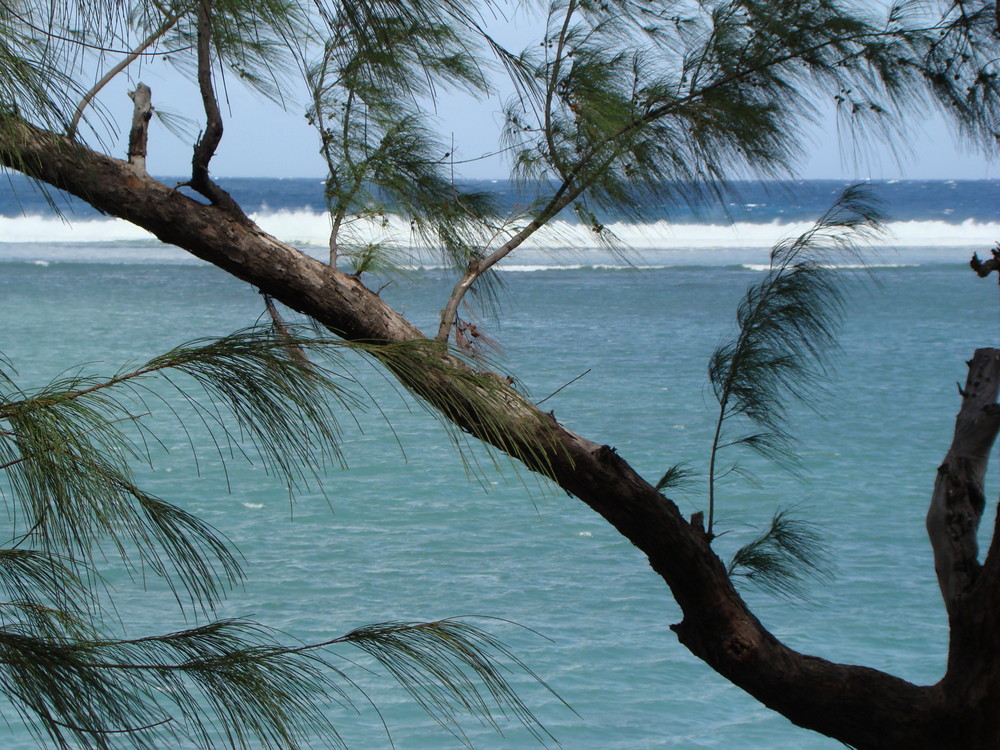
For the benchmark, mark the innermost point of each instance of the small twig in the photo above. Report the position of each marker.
(49, 34)
(565, 385)
(294, 349)
(129, 730)
(37, 525)
(565, 195)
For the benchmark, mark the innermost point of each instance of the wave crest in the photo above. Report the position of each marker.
(560, 245)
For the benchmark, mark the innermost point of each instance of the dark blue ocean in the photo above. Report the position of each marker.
(410, 530)
(951, 201)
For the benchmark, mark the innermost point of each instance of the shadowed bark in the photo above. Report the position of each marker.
(857, 705)
(985, 267)
(958, 501)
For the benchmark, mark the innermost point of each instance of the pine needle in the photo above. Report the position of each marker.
(783, 557)
(785, 333)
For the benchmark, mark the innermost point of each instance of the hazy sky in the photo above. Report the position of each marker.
(261, 140)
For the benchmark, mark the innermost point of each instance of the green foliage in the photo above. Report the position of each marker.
(782, 557)
(255, 42)
(188, 686)
(433, 661)
(959, 64)
(67, 450)
(676, 477)
(646, 102)
(474, 402)
(383, 157)
(785, 331)
(284, 403)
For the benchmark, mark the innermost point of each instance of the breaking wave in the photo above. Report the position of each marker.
(562, 245)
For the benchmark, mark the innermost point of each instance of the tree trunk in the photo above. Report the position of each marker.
(859, 706)
(969, 589)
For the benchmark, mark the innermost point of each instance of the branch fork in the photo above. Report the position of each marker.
(959, 500)
(210, 138)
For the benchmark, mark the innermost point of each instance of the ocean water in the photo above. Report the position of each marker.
(411, 531)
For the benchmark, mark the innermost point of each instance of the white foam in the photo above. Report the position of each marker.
(844, 266)
(51, 229)
(560, 245)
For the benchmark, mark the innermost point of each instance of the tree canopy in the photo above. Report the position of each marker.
(79, 517)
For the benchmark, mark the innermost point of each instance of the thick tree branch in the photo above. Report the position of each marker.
(971, 590)
(958, 501)
(857, 705)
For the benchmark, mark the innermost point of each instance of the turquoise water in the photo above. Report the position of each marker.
(411, 532)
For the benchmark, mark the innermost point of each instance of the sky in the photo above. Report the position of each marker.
(262, 140)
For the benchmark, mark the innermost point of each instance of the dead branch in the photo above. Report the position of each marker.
(142, 111)
(168, 23)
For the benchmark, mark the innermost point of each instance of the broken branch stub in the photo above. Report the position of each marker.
(958, 501)
(142, 111)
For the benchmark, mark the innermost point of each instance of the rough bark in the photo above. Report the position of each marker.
(959, 500)
(142, 111)
(970, 687)
(860, 706)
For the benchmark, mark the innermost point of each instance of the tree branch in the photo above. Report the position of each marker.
(294, 348)
(984, 268)
(550, 88)
(577, 175)
(167, 24)
(142, 111)
(855, 704)
(958, 501)
(204, 150)
(478, 266)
